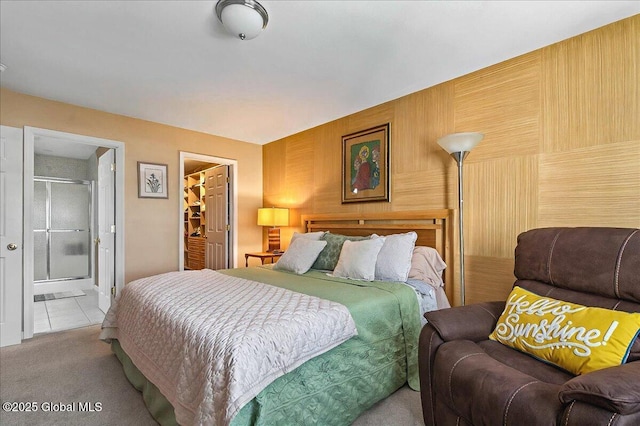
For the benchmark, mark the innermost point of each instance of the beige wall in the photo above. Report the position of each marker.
(561, 148)
(151, 241)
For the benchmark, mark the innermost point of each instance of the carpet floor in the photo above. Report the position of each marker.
(66, 375)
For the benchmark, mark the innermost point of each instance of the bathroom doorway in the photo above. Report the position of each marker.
(62, 187)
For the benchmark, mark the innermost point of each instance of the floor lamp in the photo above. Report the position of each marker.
(459, 145)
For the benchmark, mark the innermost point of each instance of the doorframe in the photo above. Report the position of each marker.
(233, 170)
(30, 134)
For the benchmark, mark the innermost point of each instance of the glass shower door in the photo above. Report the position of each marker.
(62, 229)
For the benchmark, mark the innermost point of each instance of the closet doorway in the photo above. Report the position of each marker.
(207, 212)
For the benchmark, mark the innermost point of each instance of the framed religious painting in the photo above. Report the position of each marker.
(152, 180)
(365, 165)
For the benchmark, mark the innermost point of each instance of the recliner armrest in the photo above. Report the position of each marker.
(472, 322)
(616, 389)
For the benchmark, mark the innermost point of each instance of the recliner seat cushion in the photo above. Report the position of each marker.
(524, 363)
(484, 391)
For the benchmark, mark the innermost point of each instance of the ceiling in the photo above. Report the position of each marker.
(56, 147)
(172, 62)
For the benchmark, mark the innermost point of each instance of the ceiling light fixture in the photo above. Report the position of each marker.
(242, 18)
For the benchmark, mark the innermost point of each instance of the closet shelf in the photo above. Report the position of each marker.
(195, 222)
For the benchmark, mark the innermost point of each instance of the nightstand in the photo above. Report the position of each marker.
(262, 256)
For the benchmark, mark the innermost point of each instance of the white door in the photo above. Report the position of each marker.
(11, 148)
(106, 229)
(217, 217)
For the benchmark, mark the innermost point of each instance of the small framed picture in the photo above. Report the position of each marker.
(365, 165)
(152, 180)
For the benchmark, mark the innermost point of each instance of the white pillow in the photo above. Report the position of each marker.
(394, 260)
(300, 255)
(315, 236)
(358, 259)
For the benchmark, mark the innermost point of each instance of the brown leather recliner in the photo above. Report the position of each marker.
(467, 379)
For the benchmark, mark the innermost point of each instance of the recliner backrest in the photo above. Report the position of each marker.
(599, 261)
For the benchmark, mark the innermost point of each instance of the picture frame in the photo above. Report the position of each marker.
(152, 180)
(365, 165)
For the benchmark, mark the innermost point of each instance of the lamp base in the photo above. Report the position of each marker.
(274, 240)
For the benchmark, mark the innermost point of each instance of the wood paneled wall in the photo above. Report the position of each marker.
(561, 148)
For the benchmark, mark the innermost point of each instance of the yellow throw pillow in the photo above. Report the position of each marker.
(576, 338)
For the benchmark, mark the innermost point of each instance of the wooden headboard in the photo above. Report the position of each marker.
(434, 229)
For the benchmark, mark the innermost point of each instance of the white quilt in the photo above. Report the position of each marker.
(211, 342)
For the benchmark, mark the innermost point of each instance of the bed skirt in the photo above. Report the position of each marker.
(251, 414)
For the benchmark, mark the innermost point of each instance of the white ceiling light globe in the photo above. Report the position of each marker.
(242, 21)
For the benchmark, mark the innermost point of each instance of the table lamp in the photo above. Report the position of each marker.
(273, 217)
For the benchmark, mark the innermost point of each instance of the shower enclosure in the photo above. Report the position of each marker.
(63, 210)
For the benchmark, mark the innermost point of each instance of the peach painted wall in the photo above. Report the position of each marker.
(151, 241)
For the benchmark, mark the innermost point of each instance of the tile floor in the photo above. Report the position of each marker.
(63, 314)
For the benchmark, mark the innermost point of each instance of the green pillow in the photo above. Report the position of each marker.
(328, 257)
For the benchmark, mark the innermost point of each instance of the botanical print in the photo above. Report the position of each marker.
(153, 180)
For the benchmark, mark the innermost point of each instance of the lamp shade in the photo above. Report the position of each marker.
(273, 216)
(242, 18)
(460, 142)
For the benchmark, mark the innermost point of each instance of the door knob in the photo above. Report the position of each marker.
(12, 246)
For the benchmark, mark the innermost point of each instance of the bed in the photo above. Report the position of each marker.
(373, 352)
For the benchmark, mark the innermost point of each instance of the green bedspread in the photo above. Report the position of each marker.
(337, 386)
